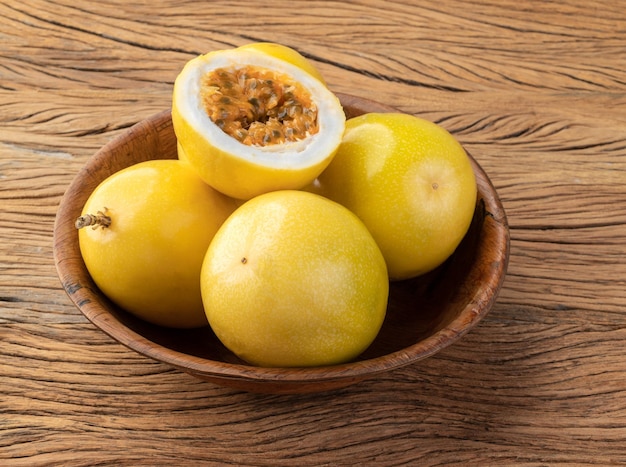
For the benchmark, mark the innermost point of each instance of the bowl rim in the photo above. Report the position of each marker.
(85, 299)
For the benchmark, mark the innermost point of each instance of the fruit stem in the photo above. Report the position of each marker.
(100, 219)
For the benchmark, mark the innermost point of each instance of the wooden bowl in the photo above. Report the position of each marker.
(424, 315)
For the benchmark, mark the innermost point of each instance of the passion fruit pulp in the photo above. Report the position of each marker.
(258, 107)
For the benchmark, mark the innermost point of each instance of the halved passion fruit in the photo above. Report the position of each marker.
(250, 122)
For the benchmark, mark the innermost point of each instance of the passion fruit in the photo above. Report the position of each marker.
(294, 279)
(410, 182)
(143, 234)
(250, 122)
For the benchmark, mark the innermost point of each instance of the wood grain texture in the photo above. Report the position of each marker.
(536, 92)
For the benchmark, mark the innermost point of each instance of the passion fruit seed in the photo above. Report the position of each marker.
(257, 106)
(100, 219)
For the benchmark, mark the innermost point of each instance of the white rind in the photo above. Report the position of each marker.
(298, 154)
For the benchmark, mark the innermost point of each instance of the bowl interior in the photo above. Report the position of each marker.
(424, 314)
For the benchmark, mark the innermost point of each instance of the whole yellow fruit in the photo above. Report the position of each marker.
(411, 183)
(294, 279)
(157, 219)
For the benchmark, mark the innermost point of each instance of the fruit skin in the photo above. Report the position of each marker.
(287, 54)
(163, 217)
(410, 182)
(294, 279)
(242, 171)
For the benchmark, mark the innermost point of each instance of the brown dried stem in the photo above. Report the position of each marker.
(100, 219)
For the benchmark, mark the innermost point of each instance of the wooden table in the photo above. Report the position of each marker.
(535, 90)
